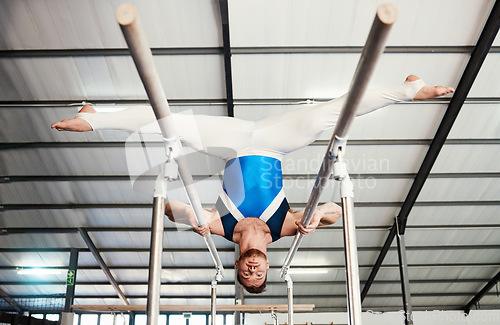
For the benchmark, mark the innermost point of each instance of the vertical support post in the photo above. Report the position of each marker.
(213, 302)
(403, 272)
(71, 279)
(351, 256)
(67, 315)
(155, 256)
(289, 286)
(131, 319)
(275, 317)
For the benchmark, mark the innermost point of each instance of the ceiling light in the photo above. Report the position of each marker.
(307, 271)
(39, 271)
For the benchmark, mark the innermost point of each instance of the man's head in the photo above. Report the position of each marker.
(252, 270)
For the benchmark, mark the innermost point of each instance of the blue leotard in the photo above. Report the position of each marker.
(253, 188)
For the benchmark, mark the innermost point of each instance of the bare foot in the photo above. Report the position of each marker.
(75, 124)
(429, 91)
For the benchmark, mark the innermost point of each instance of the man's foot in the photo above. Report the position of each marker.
(429, 91)
(75, 124)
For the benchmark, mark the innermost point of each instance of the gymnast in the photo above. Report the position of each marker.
(252, 209)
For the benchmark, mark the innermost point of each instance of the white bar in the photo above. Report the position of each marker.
(289, 286)
(213, 302)
(351, 262)
(156, 253)
(385, 17)
(141, 53)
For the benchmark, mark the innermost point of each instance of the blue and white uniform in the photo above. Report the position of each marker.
(252, 149)
(253, 188)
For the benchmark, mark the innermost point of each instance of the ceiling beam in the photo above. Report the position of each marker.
(482, 293)
(231, 249)
(120, 144)
(115, 178)
(476, 60)
(102, 264)
(205, 102)
(34, 53)
(224, 12)
(48, 206)
(63, 230)
(232, 283)
(273, 267)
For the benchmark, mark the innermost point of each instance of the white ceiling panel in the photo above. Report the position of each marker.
(49, 25)
(467, 158)
(36, 289)
(366, 190)
(108, 78)
(35, 259)
(42, 240)
(88, 275)
(418, 120)
(264, 76)
(87, 290)
(454, 215)
(486, 83)
(460, 189)
(423, 302)
(40, 85)
(444, 256)
(297, 189)
(359, 159)
(440, 237)
(170, 259)
(78, 218)
(327, 23)
(436, 273)
(416, 290)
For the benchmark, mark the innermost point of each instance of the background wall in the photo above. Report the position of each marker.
(482, 317)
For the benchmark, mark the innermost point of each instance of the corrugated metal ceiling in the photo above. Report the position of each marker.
(284, 52)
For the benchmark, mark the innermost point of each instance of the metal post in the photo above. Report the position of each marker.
(213, 302)
(71, 279)
(385, 17)
(405, 280)
(289, 286)
(68, 315)
(155, 256)
(141, 53)
(274, 316)
(351, 261)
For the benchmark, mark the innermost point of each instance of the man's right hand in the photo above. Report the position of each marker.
(203, 231)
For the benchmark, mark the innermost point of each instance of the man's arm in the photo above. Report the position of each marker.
(180, 212)
(326, 214)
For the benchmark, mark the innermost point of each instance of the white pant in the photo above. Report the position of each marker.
(272, 136)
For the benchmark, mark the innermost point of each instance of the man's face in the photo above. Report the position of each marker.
(252, 268)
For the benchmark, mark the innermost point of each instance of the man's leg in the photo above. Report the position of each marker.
(217, 135)
(290, 131)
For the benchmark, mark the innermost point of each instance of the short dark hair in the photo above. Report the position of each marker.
(260, 289)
